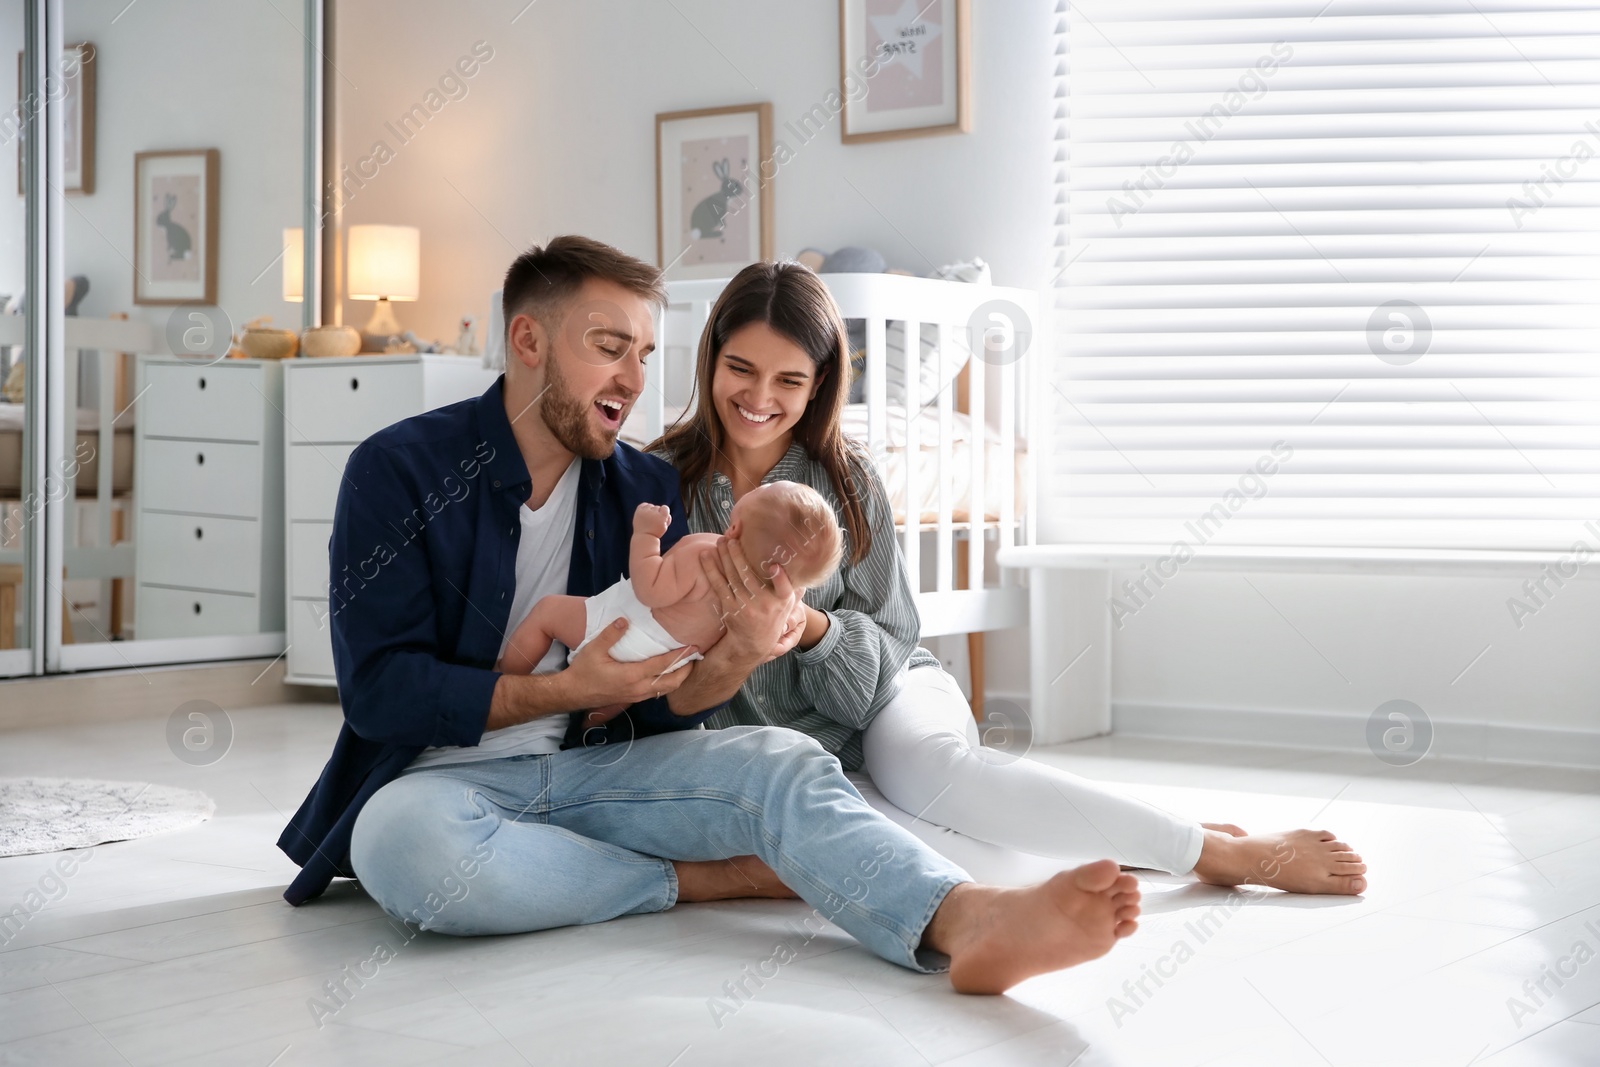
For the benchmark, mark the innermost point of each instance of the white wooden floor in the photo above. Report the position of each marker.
(179, 950)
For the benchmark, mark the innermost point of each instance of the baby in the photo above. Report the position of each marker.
(668, 602)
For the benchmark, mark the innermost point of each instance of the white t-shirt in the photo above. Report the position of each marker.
(544, 555)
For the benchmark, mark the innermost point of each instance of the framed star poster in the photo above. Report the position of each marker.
(714, 171)
(904, 68)
(175, 227)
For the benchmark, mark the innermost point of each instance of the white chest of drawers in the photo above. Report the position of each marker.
(329, 407)
(208, 447)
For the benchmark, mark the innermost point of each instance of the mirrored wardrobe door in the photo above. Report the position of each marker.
(184, 181)
(21, 487)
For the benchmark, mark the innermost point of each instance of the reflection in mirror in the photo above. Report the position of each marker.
(184, 171)
(19, 497)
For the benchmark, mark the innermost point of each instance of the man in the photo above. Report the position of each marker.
(475, 802)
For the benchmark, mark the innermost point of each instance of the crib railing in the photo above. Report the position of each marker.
(954, 593)
(95, 541)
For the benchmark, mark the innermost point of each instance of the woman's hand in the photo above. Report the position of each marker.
(815, 628)
(798, 616)
(757, 615)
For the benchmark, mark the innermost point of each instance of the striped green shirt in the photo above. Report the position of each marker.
(833, 689)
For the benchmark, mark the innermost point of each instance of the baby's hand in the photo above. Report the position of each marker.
(652, 520)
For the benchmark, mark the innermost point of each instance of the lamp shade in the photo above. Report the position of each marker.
(294, 264)
(383, 262)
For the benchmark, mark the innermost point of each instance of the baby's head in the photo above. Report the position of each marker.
(789, 524)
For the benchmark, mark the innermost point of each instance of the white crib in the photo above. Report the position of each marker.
(960, 473)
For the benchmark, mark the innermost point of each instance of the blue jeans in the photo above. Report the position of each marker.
(531, 842)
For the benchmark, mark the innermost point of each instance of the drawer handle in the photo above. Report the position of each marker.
(197, 607)
(355, 383)
(198, 533)
(200, 458)
(202, 383)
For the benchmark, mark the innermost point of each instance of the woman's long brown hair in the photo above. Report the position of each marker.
(794, 303)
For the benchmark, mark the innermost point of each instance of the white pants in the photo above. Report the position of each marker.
(1007, 820)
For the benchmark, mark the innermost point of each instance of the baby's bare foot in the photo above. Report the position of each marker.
(996, 938)
(1297, 861)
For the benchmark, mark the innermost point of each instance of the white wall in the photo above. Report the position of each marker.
(1210, 640)
(557, 134)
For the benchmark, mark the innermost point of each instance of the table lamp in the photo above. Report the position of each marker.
(382, 263)
(294, 264)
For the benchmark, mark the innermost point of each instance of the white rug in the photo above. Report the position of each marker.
(52, 814)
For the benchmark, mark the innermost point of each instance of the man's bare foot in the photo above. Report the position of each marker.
(996, 938)
(1297, 861)
(741, 876)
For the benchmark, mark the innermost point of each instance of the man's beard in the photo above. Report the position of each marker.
(568, 420)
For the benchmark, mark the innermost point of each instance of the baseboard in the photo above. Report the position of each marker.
(88, 697)
(1343, 732)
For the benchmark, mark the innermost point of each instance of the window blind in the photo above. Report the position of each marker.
(1326, 273)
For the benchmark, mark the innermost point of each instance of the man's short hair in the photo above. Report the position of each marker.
(543, 281)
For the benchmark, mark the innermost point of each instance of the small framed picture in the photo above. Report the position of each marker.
(76, 73)
(904, 68)
(175, 227)
(714, 172)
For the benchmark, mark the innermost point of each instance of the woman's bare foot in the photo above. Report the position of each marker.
(741, 876)
(996, 938)
(1226, 827)
(1297, 861)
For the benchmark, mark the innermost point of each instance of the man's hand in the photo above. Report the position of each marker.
(600, 682)
(652, 520)
(593, 680)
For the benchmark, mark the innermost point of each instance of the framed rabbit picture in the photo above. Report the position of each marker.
(714, 171)
(175, 226)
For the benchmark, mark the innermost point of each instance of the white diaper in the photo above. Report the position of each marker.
(645, 636)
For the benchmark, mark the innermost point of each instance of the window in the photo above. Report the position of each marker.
(1327, 273)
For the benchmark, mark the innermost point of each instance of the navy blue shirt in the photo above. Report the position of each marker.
(422, 570)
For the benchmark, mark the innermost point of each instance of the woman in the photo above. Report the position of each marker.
(771, 381)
